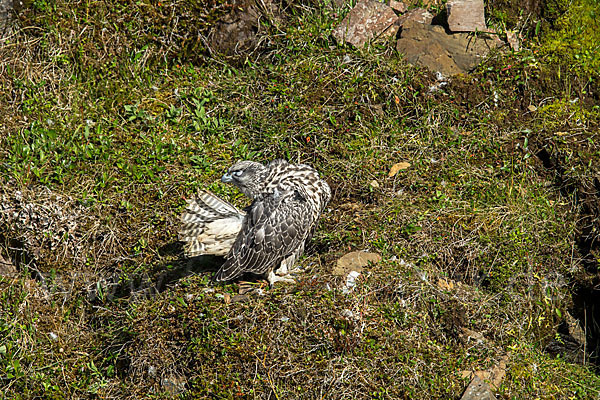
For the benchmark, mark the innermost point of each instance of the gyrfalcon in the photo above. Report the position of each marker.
(267, 237)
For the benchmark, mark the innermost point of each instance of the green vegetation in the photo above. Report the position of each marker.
(113, 115)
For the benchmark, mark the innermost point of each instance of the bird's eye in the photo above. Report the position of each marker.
(238, 173)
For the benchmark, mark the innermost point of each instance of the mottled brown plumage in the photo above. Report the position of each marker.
(287, 202)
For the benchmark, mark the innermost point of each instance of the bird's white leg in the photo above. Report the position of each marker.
(283, 268)
(272, 278)
(287, 265)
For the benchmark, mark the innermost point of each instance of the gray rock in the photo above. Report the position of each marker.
(478, 390)
(430, 46)
(466, 15)
(367, 20)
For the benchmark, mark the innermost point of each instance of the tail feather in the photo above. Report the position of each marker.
(209, 225)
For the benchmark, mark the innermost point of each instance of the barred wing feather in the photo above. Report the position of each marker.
(210, 225)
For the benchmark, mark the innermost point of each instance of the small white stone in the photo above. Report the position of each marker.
(350, 281)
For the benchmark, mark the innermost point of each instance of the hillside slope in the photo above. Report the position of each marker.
(115, 112)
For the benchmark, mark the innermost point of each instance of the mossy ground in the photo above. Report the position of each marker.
(113, 115)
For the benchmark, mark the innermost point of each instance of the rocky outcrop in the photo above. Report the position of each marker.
(422, 43)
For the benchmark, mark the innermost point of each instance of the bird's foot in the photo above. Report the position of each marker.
(245, 287)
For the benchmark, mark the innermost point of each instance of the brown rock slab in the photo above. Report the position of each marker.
(478, 390)
(419, 15)
(466, 15)
(355, 261)
(367, 20)
(494, 376)
(430, 46)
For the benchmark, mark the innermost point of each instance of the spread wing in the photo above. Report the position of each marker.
(209, 225)
(274, 227)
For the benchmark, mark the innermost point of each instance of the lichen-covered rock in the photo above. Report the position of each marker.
(478, 390)
(419, 15)
(398, 6)
(367, 20)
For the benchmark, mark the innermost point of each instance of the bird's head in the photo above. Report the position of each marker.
(247, 176)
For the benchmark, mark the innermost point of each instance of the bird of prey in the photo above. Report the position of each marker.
(267, 237)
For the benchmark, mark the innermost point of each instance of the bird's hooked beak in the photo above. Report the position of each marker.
(226, 178)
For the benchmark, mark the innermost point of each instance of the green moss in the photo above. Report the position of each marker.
(574, 42)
